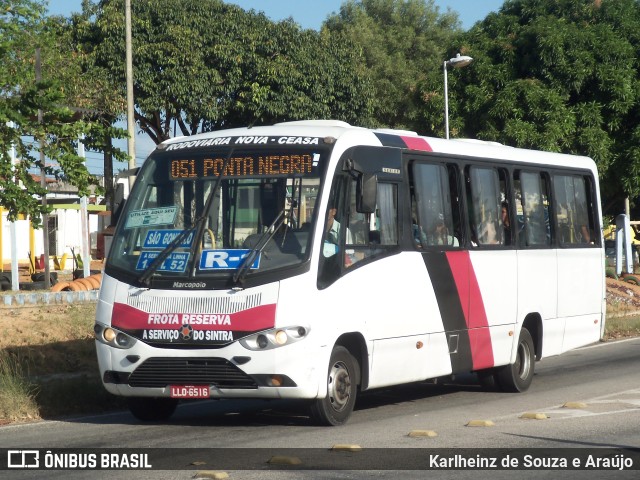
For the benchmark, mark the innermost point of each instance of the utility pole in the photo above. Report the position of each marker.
(43, 184)
(15, 280)
(84, 224)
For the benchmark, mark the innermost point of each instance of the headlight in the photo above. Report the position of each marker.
(274, 338)
(112, 337)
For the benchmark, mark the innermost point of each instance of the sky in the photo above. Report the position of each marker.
(307, 13)
(311, 13)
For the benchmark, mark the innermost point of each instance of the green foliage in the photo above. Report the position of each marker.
(402, 41)
(207, 65)
(558, 75)
(23, 29)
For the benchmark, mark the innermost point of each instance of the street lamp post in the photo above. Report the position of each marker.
(458, 61)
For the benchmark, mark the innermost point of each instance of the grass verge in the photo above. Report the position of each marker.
(622, 327)
(17, 393)
(48, 365)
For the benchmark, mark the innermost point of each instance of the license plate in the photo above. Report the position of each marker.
(189, 391)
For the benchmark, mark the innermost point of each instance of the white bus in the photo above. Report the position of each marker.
(311, 260)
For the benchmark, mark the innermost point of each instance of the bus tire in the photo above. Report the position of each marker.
(31, 286)
(85, 281)
(95, 284)
(150, 409)
(518, 376)
(76, 286)
(60, 286)
(335, 409)
(488, 379)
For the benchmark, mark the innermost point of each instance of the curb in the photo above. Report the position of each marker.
(48, 298)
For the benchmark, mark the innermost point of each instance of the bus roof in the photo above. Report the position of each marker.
(398, 138)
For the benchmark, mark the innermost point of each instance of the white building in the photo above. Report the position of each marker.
(65, 231)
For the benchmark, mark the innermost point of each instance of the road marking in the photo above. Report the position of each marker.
(211, 474)
(480, 423)
(534, 416)
(423, 433)
(346, 447)
(627, 401)
(604, 344)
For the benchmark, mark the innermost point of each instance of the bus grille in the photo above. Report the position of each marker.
(159, 372)
(157, 303)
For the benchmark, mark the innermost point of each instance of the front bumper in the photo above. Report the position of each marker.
(231, 372)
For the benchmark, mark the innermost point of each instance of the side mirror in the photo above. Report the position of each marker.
(366, 193)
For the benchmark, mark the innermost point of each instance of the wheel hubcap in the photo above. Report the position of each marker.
(523, 362)
(339, 386)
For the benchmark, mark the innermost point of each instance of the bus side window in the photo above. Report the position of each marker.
(573, 210)
(433, 219)
(485, 206)
(329, 268)
(370, 234)
(532, 203)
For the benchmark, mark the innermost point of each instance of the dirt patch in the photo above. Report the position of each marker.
(623, 298)
(48, 364)
(48, 339)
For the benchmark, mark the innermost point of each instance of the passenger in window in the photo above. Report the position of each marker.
(487, 232)
(332, 233)
(440, 235)
(419, 237)
(506, 223)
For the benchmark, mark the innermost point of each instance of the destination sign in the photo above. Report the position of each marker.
(175, 262)
(225, 259)
(245, 165)
(151, 216)
(163, 238)
(242, 140)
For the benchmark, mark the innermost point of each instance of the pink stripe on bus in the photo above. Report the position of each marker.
(262, 317)
(473, 307)
(417, 143)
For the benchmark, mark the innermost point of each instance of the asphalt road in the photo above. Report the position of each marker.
(605, 378)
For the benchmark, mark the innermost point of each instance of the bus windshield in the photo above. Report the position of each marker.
(196, 213)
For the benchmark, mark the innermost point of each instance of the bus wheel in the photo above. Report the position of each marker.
(337, 406)
(518, 376)
(150, 409)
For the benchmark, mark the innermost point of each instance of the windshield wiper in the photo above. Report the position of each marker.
(267, 235)
(197, 227)
(169, 249)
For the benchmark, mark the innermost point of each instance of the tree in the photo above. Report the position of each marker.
(23, 29)
(403, 41)
(207, 65)
(558, 75)
(91, 89)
